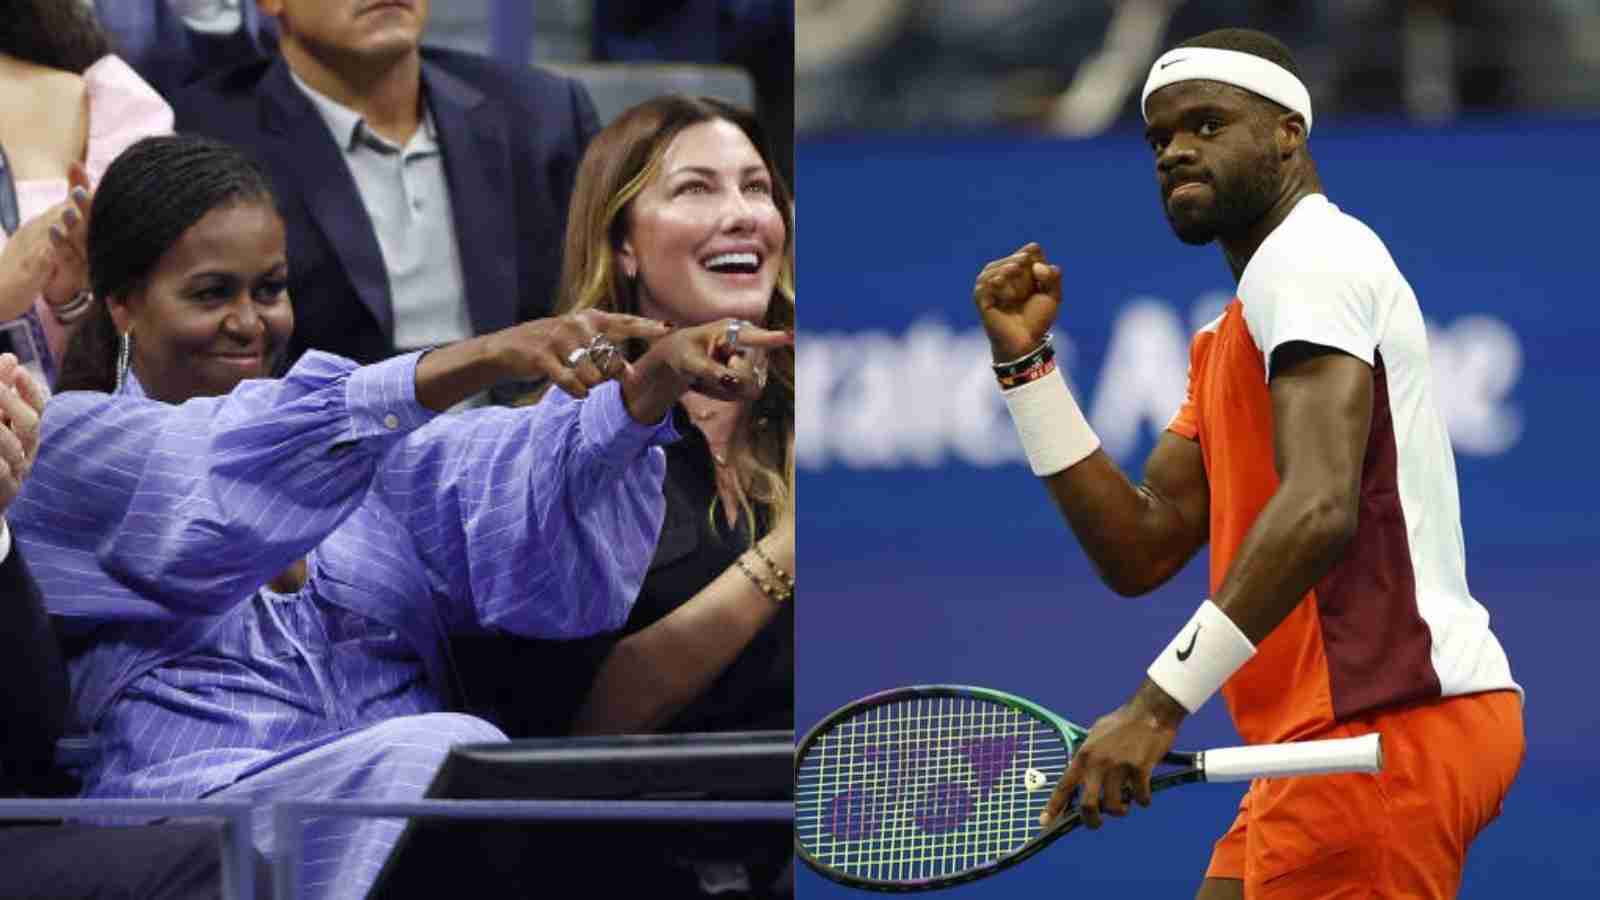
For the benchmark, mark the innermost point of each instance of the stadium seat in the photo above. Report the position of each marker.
(618, 86)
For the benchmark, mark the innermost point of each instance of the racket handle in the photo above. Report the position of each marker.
(1358, 754)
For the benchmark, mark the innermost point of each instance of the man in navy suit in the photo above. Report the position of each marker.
(424, 190)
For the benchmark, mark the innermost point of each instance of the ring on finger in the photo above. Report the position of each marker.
(576, 357)
(601, 352)
(731, 336)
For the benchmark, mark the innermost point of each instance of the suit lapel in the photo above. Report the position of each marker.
(477, 164)
(323, 180)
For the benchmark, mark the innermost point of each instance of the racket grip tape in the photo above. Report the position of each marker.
(1357, 754)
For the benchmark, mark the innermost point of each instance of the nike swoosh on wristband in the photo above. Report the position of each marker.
(1184, 654)
(1173, 62)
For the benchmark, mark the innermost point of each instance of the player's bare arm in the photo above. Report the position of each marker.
(1137, 535)
(1322, 412)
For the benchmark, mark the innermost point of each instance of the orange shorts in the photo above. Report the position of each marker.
(1400, 833)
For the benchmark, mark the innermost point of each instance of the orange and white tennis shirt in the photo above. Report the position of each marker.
(1393, 622)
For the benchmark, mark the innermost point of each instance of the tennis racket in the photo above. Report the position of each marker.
(925, 787)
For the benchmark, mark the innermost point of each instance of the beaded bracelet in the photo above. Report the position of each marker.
(774, 593)
(1034, 365)
(783, 577)
(1043, 367)
(1034, 357)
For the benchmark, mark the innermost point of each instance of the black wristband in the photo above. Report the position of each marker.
(1038, 356)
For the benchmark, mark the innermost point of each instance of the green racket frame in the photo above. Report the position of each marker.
(1072, 735)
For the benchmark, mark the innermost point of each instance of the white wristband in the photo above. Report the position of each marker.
(1054, 432)
(1204, 654)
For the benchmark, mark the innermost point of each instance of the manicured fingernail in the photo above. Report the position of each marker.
(729, 381)
(70, 217)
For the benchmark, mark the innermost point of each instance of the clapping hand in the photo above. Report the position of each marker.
(47, 255)
(21, 406)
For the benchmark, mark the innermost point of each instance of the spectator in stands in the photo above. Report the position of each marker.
(664, 193)
(424, 190)
(67, 108)
(264, 571)
(679, 215)
(709, 644)
(172, 43)
(64, 861)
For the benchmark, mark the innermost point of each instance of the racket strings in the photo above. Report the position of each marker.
(925, 787)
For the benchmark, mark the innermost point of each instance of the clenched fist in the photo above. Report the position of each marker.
(1018, 297)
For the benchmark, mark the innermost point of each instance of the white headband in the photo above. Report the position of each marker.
(1243, 70)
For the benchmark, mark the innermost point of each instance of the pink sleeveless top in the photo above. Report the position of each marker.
(122, 109)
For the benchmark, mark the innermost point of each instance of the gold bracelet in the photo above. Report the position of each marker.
(784, 577)
(773, 592)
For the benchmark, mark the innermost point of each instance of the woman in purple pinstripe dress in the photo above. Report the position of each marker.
(261, 572)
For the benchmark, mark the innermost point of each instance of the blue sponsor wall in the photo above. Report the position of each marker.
(932, 555)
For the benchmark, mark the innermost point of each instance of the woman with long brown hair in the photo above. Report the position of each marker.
(679, 214)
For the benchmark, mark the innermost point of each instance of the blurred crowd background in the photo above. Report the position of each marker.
(754, 35)
(1075, 66)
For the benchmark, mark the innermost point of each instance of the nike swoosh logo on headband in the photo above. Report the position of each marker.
(1173, 62)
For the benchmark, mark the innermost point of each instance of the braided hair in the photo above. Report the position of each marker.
(152, 194)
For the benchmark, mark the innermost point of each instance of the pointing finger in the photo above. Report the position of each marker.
(621, 326)
(751, 336)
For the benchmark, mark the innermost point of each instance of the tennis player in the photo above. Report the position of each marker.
(1311, 454)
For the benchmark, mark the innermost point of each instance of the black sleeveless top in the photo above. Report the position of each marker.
(534, 688)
